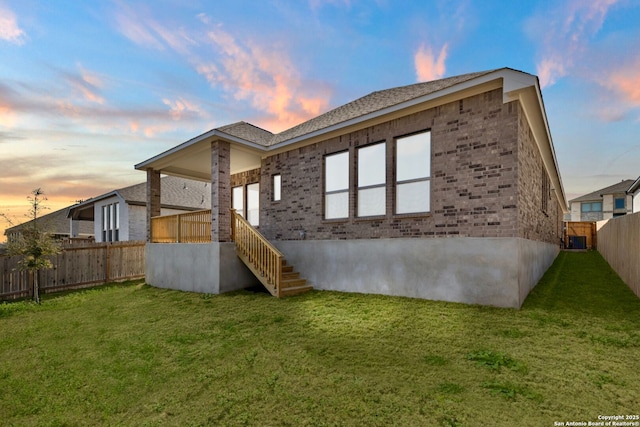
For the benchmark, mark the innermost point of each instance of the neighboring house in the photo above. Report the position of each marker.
(445, 190)
(121, 215)
(606, 203)
(57, 225)
(634, 192)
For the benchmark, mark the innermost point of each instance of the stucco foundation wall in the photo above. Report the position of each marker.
(488, 271)
(534, 259)
(196, 267)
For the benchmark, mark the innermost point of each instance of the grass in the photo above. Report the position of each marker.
(135, 355)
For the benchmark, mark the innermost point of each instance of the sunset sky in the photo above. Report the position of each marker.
(90, 88)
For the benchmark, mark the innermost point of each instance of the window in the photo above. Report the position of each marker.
(237, 200)
(592, 207)
(253, 204)
(413, 173)
(111, 222)
(545, 190)
(619, 203)
(336, 185)
(372, 180)
(277, 187)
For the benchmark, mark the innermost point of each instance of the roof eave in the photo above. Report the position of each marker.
(207, 136)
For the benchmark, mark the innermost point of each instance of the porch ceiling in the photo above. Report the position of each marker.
(194, 161)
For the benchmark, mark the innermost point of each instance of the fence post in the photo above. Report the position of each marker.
(107, 264)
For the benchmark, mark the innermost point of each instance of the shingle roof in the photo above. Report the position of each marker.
(174, 191)
(57, 223)
(634, 187)
(375, 101)
(248, 132)
(620, 188)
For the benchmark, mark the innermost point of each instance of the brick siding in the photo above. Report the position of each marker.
(475, 179)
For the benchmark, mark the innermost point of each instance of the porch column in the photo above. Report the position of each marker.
(74, 228)
(220, 191)
(153, 198)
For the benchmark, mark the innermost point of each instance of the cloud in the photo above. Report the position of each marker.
(9, 29)
(141, 28)
(87, 84)
(564, 35)
(428, 67)
(265, 77)
(626, 82)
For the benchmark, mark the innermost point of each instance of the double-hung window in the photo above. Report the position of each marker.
(372, 189)
(413, 173)
(253, 204)
(336, 185)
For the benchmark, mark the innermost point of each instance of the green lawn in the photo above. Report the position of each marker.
(136, 355)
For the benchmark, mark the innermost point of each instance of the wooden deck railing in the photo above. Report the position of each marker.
(192, 227)
(262, 258)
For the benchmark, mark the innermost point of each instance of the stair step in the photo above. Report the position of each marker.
(290, 275)
(295, 290)
(292, 283)
(287, 268)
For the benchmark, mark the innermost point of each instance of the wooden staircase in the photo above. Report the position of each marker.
(264, 260)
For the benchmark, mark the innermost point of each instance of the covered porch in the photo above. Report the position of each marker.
(213, 250)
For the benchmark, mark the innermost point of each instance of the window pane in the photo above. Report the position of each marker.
(337, 172)
(372, 165)
(413, 157)
(596, 207)
(619, 204)
(237, 200)
(412, 197)
(586, 207)
(117, 205)
(277, 182)
(105, 218)
(371, 201)
(337, 205)
(253, 204)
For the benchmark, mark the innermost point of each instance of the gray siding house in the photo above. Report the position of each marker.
(121, 215)
(605, 203)
(445, 190)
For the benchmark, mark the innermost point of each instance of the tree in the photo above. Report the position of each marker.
(34, 244)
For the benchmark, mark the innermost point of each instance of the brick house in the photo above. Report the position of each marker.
(445, 190)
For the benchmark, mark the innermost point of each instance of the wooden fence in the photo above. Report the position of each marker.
(584, 230)
(74, 268)
(619, 244)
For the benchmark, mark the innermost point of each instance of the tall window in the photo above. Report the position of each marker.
(253, 204)
(336, 187)
(277, 187)
(111, 222)
(237, 200)
(413, 173)
(372, 180)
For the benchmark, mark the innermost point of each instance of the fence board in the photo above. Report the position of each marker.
(76, 267)
(619, 244)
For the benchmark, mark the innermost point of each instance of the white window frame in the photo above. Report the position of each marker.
(335, 190)
(410, 182)
(277, 187)
(372, 180)
(253, 203)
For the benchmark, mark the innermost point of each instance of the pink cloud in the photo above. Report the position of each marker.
(565, 34)
(9, 29)
(141, 28)
(428, 67)
(265, 77)
(181, 108)
(626, 82)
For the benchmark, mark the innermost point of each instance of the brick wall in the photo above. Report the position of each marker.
(539, 213)
(474, 177)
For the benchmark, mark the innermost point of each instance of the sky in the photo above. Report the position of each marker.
(88, 89)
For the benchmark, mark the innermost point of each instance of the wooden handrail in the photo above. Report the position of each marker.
(264, 259)
(190, 227)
